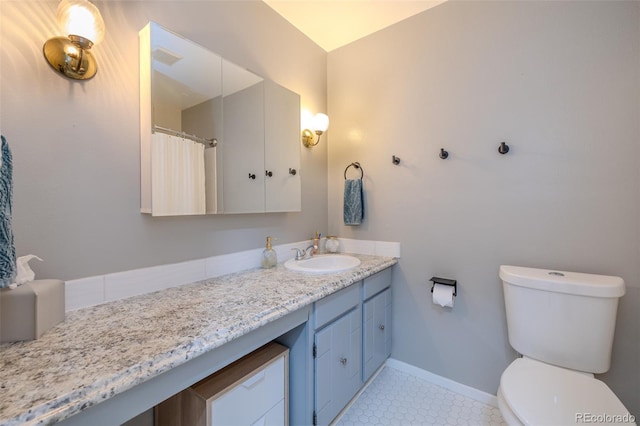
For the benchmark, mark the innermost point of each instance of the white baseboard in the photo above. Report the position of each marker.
(473, 393)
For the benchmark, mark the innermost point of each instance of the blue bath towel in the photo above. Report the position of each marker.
(7, 250)
(353, 202)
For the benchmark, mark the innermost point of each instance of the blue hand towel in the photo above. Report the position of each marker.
(7, 250)
(353, 202)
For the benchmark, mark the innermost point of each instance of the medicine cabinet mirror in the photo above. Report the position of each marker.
(214, 137)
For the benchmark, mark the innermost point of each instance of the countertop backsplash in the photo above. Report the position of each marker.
(91, 291)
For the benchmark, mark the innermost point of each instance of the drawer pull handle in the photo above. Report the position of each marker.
(381, 327)
(252, 381)
(343, 361)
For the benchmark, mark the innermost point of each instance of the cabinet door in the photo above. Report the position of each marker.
(282, 149)
(377, 332)
(243, 150)
(337, 365)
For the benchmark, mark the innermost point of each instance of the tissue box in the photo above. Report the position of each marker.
(31, 309)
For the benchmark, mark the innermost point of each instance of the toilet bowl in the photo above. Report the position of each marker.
(563, 325)
(534, 393)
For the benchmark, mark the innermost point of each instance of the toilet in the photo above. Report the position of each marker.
(562, 323)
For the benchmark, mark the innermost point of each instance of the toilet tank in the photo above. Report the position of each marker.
(562, 318)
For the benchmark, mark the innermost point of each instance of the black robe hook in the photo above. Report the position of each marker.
(503, 148)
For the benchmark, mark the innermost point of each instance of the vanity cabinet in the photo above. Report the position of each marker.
(351, 340)
(377, 332)
(376, 309)
(338, 353)
(344, 339)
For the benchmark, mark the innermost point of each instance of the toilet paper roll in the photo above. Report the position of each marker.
(443, 295)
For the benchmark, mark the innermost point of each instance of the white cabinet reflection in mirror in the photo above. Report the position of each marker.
(243, 135)
(261, 153)
(282, 149)
(187, 90)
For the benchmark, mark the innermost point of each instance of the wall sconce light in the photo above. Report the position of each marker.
(81, 21)
(320, 125)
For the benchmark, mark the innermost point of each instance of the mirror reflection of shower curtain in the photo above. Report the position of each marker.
(177, 176)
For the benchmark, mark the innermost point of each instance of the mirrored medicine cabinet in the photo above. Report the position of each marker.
(214, 137)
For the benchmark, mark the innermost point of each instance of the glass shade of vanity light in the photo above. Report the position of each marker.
(80, 18)
(320, 124)
(81, 21)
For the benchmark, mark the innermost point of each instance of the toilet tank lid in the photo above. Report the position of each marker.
(563, 282)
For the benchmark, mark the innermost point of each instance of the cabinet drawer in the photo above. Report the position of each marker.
(274, 417)
(250, 399)
(333, 306)
(249, 391)
(376, 283)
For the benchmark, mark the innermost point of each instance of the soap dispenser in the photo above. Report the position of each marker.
(269, 256)
(316, 243)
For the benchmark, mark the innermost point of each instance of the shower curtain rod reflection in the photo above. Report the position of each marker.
(210, 142)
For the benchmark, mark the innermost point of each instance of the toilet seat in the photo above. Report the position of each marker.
(543, 394)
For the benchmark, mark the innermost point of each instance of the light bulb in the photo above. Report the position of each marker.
(81, 18)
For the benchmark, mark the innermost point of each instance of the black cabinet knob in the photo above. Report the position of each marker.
(252, 176)
(292, 172)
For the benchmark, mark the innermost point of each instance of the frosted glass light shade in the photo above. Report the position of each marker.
(319, 125)
(80, 18)
(320, 122)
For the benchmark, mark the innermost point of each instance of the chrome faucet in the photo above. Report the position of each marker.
(300, 254)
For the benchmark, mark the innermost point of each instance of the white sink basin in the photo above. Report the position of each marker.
(323, 264)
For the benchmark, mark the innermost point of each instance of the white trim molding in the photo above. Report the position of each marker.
(473, 393)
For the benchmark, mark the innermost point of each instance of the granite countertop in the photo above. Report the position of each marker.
(100, 351)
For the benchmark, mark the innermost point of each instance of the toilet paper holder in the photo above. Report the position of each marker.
(445, 281)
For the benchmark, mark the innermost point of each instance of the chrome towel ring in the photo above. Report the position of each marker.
(357, 166)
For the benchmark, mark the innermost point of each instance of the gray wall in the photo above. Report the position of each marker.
(560, 82)
(76, 144)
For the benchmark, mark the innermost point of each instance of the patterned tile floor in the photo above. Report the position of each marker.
(397, 398)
